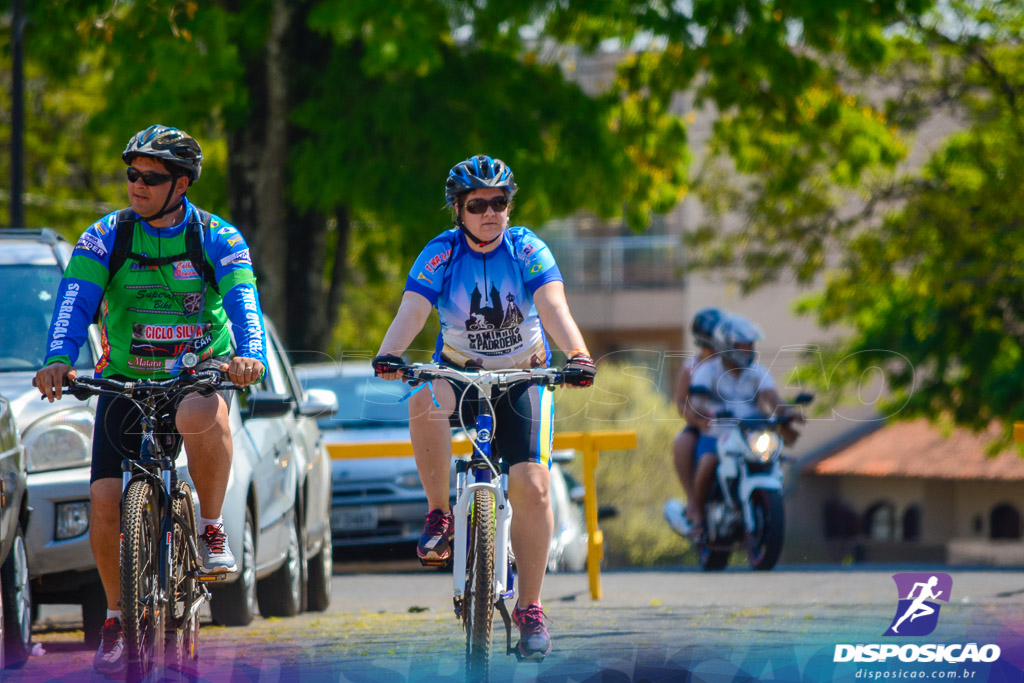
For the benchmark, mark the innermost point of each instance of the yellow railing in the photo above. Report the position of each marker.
(589, 443)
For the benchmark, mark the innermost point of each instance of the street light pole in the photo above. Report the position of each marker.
(17, 117)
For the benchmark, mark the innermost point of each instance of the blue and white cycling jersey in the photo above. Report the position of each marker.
(485, 301)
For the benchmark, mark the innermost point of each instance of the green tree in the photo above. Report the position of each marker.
(924, 267)
(343, 116)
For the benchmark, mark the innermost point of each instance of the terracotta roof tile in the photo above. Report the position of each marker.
(919, 450)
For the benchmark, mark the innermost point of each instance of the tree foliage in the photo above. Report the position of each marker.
(343, 116)
(923, 264)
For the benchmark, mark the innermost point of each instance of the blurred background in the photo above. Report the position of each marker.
(847, 174)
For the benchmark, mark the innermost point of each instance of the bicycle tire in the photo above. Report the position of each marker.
(140, 557)
(181, 634)
(479, 604)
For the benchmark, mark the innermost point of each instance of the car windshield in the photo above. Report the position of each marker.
(25, 310)
(363, 402)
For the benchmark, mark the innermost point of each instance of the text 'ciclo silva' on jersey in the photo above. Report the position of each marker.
(152, 315)
(485, 301)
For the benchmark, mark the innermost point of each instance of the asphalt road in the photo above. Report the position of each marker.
(394, 622)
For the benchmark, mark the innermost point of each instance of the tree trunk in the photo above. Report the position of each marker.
(257, 160)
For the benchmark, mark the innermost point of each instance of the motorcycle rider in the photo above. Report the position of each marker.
(685, 444)
(730, 381)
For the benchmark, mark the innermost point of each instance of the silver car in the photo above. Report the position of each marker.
(379, 501)
(277, 507)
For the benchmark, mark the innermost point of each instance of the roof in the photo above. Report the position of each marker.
(918, 450)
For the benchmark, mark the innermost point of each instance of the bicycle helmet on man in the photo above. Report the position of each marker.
(179, 152)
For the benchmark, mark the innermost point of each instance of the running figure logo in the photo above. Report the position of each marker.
(916, 614)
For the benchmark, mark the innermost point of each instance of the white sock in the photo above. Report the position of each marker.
(113, 614)
(204, 522)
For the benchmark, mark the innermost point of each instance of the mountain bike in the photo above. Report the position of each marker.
(483, 573)
(162, 588)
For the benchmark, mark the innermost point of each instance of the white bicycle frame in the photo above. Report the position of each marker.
(503, 521)
(470, 481)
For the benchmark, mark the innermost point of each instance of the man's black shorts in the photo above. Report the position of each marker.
(116, 434)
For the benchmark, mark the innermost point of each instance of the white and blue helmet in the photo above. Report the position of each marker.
(478, 172)
(734, 330)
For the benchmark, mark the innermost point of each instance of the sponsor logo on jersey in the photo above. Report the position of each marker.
(60, 325)
(528, 249)
(168, 332)
(421, 276)
(150, 364)
(234, 240)
(237, 257)
(437, 260)
(90, 242)
(185, 270)
(226, 230)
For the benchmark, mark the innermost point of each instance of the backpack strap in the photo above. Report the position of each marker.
(125, 230)
(200, 221)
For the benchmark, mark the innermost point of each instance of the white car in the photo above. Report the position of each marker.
(277, 507)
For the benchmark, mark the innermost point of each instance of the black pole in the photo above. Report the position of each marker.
(17, 118)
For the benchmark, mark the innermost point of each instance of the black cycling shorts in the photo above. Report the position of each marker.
(116, 434)
(524, 419)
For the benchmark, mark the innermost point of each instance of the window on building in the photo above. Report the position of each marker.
(879, 522)
(840, 520)
(912, 523)
(1004, 522)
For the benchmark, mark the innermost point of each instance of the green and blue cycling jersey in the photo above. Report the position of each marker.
(485, 301)
(152, 315)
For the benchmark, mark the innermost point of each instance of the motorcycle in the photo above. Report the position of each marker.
(745, 503)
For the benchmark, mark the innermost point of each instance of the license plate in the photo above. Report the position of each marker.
(353, 519)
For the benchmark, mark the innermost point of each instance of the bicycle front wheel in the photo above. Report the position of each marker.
(479, 604)
(141, 614)
(181, 637)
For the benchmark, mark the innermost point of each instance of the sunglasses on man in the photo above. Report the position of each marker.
(478, 205)
(149, 178)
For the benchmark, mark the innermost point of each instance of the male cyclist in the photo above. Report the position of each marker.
(497, 291)
(167, 280)
(685, 445)
(730, 380)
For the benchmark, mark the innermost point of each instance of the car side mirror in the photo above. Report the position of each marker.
(319, 403)
(268, 404)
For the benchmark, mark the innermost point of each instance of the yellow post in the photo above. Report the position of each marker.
(1018, 432)
(590, 443)
(595, 538)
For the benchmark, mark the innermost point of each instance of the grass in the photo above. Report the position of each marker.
(636, 482)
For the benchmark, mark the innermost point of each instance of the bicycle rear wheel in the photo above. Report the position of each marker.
(478, 608)
(141, 615)
(181, 635)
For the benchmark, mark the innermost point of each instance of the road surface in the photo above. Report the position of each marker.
(398, 625)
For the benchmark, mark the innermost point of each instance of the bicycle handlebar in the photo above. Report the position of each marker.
(424, 372)
(205, 383)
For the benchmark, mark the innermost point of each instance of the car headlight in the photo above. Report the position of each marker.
(59, 440)
(409, 480)
(72, 520)
(763, 446)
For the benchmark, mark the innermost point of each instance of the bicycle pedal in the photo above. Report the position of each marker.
(435, 563)
(209, 578)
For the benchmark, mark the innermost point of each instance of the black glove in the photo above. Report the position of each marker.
(580, 370)
(387, 363)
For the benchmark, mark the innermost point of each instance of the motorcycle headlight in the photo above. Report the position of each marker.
(59, 440)
(763, 446)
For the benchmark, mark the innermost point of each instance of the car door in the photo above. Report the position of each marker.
(311, 455)
(274, 469)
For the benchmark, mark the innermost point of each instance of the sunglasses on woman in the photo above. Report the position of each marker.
(478, 205)
(149, 178)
